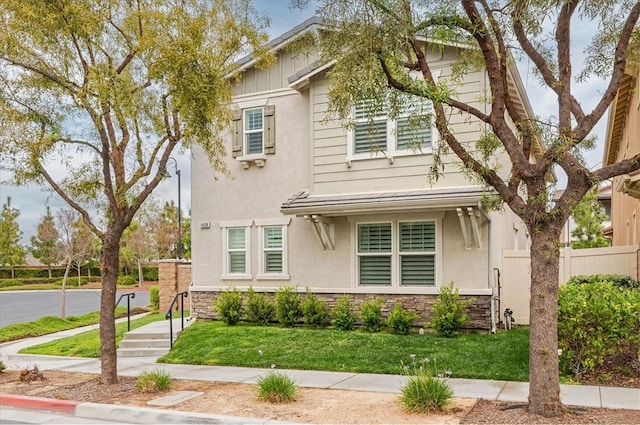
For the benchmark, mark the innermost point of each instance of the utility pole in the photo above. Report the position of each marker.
(179, 243)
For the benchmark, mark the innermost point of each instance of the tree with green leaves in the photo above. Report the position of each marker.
(11, 252)
(95, 95)
(588, 218)
(379, 49)
(138, 246)
(45, 245)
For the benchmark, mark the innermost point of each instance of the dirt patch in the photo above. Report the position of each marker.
(310, 406)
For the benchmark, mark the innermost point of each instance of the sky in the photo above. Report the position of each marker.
(32, 201)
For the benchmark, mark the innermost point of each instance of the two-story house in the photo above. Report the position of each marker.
(312, 204)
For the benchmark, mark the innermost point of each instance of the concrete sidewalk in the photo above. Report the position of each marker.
(574, 395)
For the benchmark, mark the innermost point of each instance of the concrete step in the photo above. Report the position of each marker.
(142, 352)
(145, 343)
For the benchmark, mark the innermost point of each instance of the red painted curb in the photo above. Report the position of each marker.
(40, 403)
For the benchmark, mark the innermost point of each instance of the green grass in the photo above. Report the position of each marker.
(50, 324)
(501, 356)
(86, 344)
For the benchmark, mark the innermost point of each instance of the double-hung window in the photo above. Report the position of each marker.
(371, 128)
(236, 249)
(272, 248)
(253, 131)
(396, 253)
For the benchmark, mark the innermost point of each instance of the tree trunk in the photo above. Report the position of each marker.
(109, 262)
(140, 276)
(49, 268)
(544, 385)
(63, 304)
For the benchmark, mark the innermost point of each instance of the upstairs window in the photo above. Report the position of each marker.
(253, 133)
(375, 132)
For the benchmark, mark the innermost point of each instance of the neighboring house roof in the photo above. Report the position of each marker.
(360, 203)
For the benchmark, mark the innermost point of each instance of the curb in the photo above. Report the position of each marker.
(39, 403)
(128, 414)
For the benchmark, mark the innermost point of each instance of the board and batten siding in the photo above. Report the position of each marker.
(274, 78)
(332, 172)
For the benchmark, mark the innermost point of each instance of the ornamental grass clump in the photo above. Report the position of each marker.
(424, 391)
(153, 381)
(276, 387)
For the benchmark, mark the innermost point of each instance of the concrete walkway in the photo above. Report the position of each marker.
(575, 395)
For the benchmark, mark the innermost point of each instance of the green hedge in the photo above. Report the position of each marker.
(148, 273)
(41, 272)
(596, 320)
(616, 279)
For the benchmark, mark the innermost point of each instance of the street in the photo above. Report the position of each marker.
(26, 306)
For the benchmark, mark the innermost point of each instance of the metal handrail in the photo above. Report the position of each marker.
(169, 314)
(129, 296)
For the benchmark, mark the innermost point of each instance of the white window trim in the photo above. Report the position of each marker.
(282, 222)
(395, 252)
(225, 226)
(392, 150)
(245, 148)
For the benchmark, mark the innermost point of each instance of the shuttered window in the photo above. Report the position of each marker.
(370, 132)
(273, 249)
(237, 250)
(413, 128)
(374, 253)
(417, 242)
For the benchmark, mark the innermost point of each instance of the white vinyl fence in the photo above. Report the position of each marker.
(516, 272)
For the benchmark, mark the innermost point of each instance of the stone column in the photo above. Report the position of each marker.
(173, 276)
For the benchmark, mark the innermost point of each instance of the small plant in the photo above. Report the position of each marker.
(30, 375)
(125, 281)
(314, 311)
(2, 366)
(401, 320)
(287, 306)
(153, 381)
(423, 392)
(371, 315)
(229, 306)
(154, 297)
(448, 311)
(342, 314)
(276, 387)
(259, 308)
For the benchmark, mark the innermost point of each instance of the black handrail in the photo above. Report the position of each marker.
(129, 296)
(169, 314)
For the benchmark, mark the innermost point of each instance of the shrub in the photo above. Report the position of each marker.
(148, 273)
(259, 308)
(424, 392)
(229, 306)
(154, 297)
(287, 306)
(596, 320)
(314, 310)
(371, 315)
(127, 280)
(153, 381)
(30, 375)
(616, 279)
(342, 314)
(2, 366)
(276, 387)
(7, 283)
(401, 320)
(448, 311)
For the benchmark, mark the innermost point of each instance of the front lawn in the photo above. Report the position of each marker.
(87, 344)
(503, 356)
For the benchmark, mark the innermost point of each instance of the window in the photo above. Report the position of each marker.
(236, 237)
(253, 131)
(253, 134)
(272, 237)
(376, 133)
(397, 254)
(374, 253)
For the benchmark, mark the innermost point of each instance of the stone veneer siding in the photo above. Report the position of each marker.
(479, 311)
